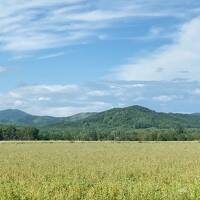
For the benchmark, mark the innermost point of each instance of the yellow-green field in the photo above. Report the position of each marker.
(100, 170)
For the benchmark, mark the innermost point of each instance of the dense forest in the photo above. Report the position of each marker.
(149, 134)
(11, 132)
(133, 123)
(15, 133)
(133, 117)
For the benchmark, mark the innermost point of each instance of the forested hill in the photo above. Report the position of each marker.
(133, 117)
(130, 123)
(20, 118)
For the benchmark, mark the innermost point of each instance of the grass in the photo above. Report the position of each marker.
(100, 170)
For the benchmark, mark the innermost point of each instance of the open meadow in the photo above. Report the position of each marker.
(100, 170)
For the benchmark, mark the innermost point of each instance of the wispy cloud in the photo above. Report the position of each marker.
(20, 57)
(177, 61)
(196, 91)
(54, 55)
(41, 24)
(165, 98)
(3, 69)
(65, 100)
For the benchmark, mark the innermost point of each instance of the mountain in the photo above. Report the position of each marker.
(18, 117)
(133, 117)
(79, 116)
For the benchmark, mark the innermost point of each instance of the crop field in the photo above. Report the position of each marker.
(100, 170)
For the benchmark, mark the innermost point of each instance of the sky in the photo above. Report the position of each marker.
(63, 57)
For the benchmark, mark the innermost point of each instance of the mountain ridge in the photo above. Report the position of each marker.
(128, 117)
(19, 117)
(133, 117)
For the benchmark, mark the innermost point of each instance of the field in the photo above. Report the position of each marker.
(100, 170)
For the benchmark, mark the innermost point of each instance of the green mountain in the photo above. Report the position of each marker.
(18, 117)
(80, 116)
(133, 117)
(134, 123)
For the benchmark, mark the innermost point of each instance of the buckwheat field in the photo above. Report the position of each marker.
(100, 170)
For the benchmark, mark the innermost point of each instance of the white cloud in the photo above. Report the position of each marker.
(20, 57)
(98, 93)
(165, 98)
(196, 91)
(137, 85)
(39, 24)
(44, 89)
(71, 110)
(63, 100)
(56, 100)
(3, 69)
(18, 103)
(58, 54)
(66, 99)
(44, 99)
(179, 60)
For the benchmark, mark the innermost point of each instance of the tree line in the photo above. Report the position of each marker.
(149, 134)
(18, 133)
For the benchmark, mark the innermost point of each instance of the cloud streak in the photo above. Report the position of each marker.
(41, 24)
(65, 100)
(177, 61)
(3, 69)
(54, 55)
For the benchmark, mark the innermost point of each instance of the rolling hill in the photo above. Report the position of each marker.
(18, 117)
(133, 117)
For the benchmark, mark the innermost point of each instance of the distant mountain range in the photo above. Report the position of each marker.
(124, 118)
(18, 117)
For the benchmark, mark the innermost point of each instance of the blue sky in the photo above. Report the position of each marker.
(64, 57)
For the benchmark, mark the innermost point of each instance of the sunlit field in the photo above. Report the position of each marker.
(100, 170)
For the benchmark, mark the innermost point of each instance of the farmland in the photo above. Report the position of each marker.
(100, 170)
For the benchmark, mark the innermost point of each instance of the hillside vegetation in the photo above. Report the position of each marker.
(18, 117)
(129, 117)
(130, 123)
(136, 117)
